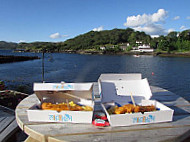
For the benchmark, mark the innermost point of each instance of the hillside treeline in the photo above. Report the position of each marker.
(8, 45)
(174, 41)
(93, 40)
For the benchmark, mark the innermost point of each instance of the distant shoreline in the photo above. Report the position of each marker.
(11, 58)
(176, 54)
(94, 52)
(161, 54)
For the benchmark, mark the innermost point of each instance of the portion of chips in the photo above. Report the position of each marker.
(65, 106)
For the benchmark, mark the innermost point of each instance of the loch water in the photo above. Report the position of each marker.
(171, 73)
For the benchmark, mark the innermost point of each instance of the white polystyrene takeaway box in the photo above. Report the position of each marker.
(119, 91)
(80, 93)
(113, 77)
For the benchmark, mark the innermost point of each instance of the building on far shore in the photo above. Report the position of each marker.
(143, 48)
(140, 47)
(102, 48)
(123, 47)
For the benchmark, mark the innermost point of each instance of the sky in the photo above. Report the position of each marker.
(59, 20)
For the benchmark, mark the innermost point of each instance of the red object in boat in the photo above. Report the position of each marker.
(101, 115)
(100, 122)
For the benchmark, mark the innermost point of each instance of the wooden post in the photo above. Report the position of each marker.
(43, 66)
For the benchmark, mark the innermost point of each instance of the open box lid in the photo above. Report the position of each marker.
(60, 92)
(120, 91)
(113, 76)
(116, 76)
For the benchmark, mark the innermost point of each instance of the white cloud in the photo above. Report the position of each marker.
(57, 35)
(188, 17)
(176, 18)
(171, 30)
(134, 21)
(183, 28)
(21, 41)
(152, 29)
(148, 22)
(98, 29)
(159, 16)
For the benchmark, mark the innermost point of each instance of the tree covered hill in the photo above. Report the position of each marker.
(174, 41)
(8, 45)
(95, 39)
(91, 40)
(113, 40)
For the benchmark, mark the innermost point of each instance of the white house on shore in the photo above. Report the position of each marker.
(143, 48)
(102, 48)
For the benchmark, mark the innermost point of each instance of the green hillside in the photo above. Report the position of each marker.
(93, 40)
(8, 45)
(112, 40)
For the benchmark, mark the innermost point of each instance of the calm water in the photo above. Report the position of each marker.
(171, 73)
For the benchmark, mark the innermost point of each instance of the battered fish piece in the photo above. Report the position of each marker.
(130, 108)
(119, 110)
(47, 106)
(147, 108)
(137, 109)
